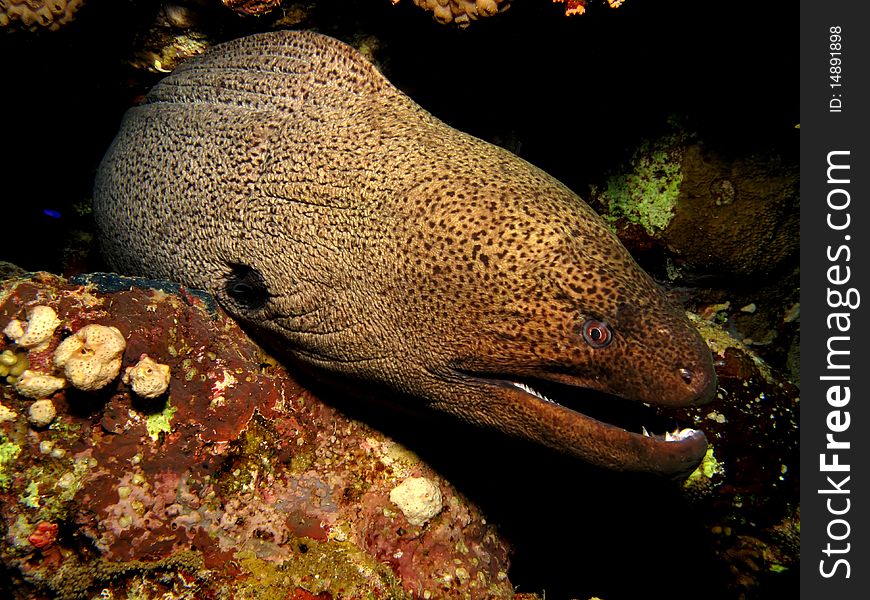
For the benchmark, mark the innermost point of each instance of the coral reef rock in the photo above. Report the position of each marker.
(252, 7)
(746, 490)
(711, 211)
(578, 7)
(461, 12)
(37, 14)
(237, 483)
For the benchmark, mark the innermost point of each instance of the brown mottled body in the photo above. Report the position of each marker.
(285, 175)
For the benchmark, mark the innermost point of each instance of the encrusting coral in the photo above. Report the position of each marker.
(252, 7)
(461, 12)
(242, 484)
(34, 384)
(38, 14)
(36, 331)
(418, 498)
(148, 378)
(91, 357)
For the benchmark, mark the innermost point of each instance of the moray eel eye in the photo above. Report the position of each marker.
(245, 285)
(597, 333)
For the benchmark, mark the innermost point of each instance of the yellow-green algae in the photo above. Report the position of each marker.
(647, 194)
(47, 481)
(9, 452)
(709, 466)
(157, 423)
(31, 495)
(73, 578)
(702, 476)
(45, 484)
(52, 485)
(252, 457)
(339, 568)
(719, 340)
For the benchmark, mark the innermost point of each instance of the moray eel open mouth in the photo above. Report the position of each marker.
(626, 434)
(607, 410)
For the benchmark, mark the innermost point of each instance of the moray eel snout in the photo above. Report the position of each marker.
(362, 236)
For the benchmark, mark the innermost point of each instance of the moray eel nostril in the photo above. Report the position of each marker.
(686, 374)
(328, 211)
(705, 382)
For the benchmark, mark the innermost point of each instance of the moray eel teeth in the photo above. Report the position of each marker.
(673, 453)
(677, 435)
(530, 390)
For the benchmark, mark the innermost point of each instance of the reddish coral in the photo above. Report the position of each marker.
(252, 7)
(574, 7)
(44, 536)
(240, 465)
(578, 7)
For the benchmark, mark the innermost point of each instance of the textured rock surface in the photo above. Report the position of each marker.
(461, 12)
(252, 7)
(747, 490)
(714, 212)
(38, 14)
(238, 483)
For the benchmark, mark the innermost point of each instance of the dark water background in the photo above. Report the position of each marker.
(571, 94)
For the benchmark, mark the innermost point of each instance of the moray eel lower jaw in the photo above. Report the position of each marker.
(520, 403)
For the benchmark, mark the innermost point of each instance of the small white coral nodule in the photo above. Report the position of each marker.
(91, 357)
(33, 384)
(148, 378)
(14, 330)
(41, 413)
(418, 498)
(7, 414)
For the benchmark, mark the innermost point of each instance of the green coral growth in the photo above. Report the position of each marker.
(8, 454)
(647, 195)
(343, 571)
(31, 495)
(160, 422)
(74, 576)
(251, 457)
(706, 470)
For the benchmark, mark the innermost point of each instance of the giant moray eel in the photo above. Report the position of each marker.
(285, 175)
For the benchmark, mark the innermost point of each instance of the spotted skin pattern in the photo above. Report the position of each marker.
(285, 175)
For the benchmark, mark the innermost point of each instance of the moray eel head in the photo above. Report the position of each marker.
(534, 303)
